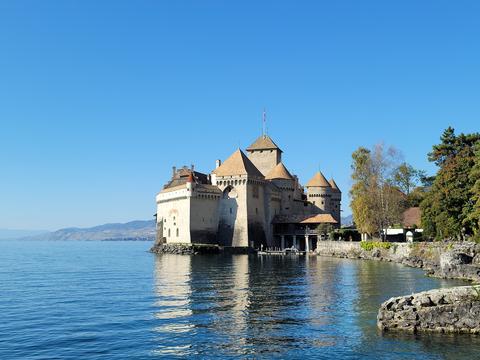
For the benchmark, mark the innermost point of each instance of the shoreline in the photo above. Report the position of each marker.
(450, 310)
(446, 260)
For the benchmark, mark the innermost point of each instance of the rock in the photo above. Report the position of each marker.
(445, 310)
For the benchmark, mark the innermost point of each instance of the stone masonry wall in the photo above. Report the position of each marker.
(456, 260)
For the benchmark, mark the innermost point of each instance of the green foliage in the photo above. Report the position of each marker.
(370, 245)
(347, 235)
(323, 229)
(449, 208)
(377, 202)
(406, 178)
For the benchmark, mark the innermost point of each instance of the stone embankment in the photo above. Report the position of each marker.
(185, 249)
(194, 249)
(454, 310)
(453, 260)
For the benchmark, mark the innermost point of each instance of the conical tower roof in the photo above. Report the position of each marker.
(279, 172)
(334, 185)
(318, 180)
(264, 142)
(237, 164)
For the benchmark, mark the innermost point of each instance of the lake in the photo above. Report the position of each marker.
(114, 300)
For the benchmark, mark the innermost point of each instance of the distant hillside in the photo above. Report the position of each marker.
(15, 233)
(347, 220)
(133, 230)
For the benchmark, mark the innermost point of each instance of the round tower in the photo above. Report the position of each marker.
(319, 193)
(336, 200)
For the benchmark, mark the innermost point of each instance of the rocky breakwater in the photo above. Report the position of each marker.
(454, 310)
(184, 249)
(455, 260)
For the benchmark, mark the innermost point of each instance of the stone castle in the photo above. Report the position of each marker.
(247, 201)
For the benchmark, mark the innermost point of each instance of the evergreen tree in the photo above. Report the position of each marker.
(447, 206)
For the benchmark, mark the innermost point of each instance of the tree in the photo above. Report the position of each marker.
(473, 217)
(376, 201)
(406, 178)
(324, 229)
(448, 208)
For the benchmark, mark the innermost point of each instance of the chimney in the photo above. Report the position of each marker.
(218, 163)
(174, 170)
(192, 167)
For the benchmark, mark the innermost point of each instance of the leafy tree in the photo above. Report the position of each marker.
(406, 177)
(376, 201)
(448, 207)
(323, 229)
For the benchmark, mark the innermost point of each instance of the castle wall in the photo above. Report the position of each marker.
(204, 218)
(233, 217)
(265, 160)
(256, 201)
(173, 209)
(287, 195)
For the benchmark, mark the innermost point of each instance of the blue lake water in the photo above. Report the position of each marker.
(114, 300)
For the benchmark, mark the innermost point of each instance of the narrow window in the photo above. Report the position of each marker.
(177, 232)
(231, 211)
(168, 232)
(256, 210)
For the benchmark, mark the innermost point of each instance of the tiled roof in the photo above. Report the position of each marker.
(181, 176)
(318, 180)
(237, 164)
(264, 142)
(279, 172)
(334, 185)
(173, 188)
(320, 218)
(304, 219)
(412, 217)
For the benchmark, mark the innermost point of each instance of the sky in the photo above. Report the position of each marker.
(99, 99)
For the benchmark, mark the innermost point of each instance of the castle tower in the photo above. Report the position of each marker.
(282, 179)
(319, 192)
(336, 200)
(264, 154)
(242, 205)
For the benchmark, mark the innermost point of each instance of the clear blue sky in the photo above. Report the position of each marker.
(98, 99)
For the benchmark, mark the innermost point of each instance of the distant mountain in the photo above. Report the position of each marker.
(347, 220)
(133, 230)
(16, 233)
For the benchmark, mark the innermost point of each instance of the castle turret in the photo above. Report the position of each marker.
(264, 154)
(319, 192)
(336, 200)
(282, 179)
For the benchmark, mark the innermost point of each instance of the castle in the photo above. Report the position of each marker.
(247, 201)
